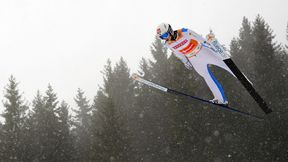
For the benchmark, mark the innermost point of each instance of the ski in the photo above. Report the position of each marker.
(138, 78)
(247, 84)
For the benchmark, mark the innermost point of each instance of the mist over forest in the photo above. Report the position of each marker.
(128, 121)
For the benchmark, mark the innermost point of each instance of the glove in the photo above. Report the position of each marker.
(188, 65)
(210, 36)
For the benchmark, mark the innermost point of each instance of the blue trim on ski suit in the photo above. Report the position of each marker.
(218, 85)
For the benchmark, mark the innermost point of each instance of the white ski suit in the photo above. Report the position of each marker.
(191, 49)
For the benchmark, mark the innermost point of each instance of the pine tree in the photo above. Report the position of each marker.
(265, 51)
(269, 65)
(14, 116)
(235, 47)
(2, 148)
(84, 109)
(246, 55)
(263, 64)
(268, 68)
(157, 70)
(38, 122)
(96, 142)
(243, 54)
(82, 127)
(29, 138)
(112, 143)
(46, 126)
(145, 117)
(107, 77)
(111, 111)
(159, 64)
(286, 36)
(52, 124)
(66, 147)
(122, 86)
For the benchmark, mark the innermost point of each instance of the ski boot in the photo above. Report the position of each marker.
(216, 101)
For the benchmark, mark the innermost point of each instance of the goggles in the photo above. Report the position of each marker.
(164, 36)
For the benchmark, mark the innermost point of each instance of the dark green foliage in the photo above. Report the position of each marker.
(286, 37)
(111, 112)
(128, 121)
(45, 126)
(82, 127)
(14, 116)
(268, 71)
(66, 149)
(47, 130)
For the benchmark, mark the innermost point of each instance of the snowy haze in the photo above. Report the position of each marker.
(67, 42)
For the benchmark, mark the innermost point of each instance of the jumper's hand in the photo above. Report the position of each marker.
(188, 65)
(210, 36)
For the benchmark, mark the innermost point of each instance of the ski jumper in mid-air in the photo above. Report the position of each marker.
(195, 52)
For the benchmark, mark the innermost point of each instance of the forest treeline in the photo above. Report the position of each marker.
(127, 121)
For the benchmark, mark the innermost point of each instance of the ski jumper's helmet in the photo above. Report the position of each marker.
(164, 30)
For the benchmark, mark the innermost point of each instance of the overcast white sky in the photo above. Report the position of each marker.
(67, 42)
